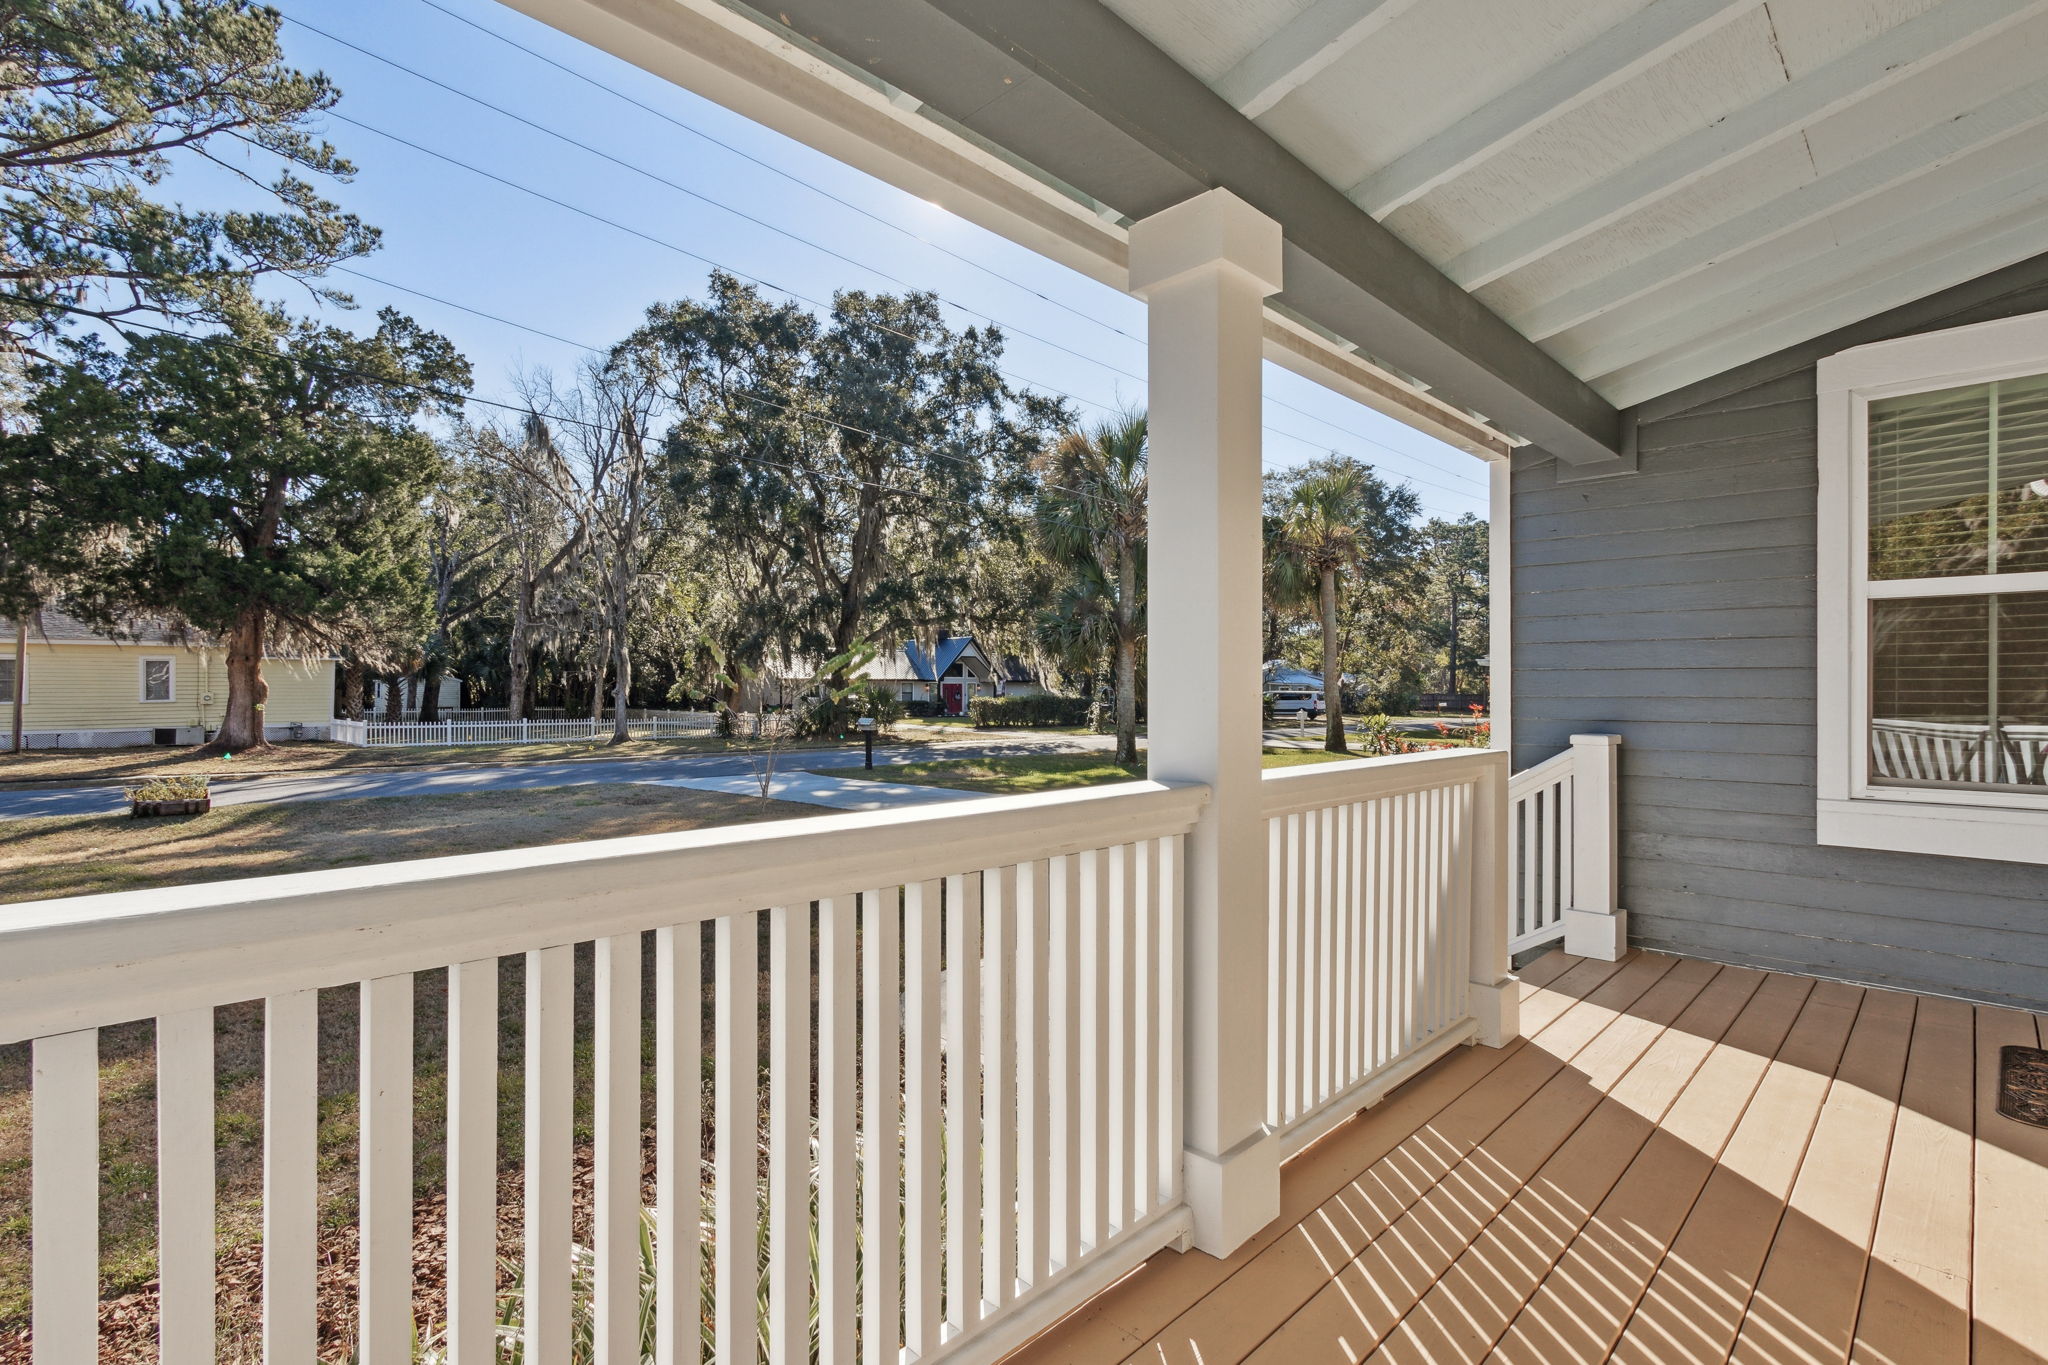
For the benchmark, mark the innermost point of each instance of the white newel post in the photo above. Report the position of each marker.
(1495, 997)
(1204, 268)
(1595, 925)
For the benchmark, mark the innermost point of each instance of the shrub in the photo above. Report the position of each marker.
(1027, 712)
(834, 717)
(168, 789)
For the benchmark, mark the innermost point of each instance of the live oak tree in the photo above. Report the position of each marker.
(100, 102)
(849, 467)
(262, 485)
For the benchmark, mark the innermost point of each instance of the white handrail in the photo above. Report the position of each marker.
(1561, 851)
(1051, 924)
(87, 961)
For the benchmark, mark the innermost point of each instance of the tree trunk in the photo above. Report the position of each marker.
(597, 689)
(430, 691)
(394, 700)
(1333, 677)
(622, 683)
(241, 727)
(517, 660)
(354, 678)
(1127, 661)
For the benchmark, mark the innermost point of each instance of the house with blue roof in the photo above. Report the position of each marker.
(950, 675)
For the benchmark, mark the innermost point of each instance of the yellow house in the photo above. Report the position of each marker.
(85, 689)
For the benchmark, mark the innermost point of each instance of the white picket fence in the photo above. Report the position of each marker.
(982, 1129)
(452, 731)
(1561, 840)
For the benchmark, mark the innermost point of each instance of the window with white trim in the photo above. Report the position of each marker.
(7, 679)
(158, 680)
(1933, 590)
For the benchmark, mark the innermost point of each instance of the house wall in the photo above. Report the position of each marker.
(90, 694)
(1675, 607)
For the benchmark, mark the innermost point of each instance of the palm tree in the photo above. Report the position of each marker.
(1329, 518)
(1090, 522)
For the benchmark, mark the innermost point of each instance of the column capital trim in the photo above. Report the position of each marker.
(1210, 230)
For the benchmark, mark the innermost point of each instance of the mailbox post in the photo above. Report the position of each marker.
(866, 726)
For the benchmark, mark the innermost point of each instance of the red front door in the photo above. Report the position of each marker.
(954, 694)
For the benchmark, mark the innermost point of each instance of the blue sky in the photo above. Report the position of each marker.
(796, 220)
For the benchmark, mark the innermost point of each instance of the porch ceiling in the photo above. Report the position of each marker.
(1656, 190)
(1544, 211)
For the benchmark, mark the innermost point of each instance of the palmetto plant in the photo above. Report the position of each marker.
(1325, 520)
(1090, 521)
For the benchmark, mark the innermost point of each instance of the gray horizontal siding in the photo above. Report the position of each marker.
(1675, 607)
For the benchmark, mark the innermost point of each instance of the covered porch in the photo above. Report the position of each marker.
(1082, 1075)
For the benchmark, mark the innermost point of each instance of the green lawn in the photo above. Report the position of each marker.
(1037, 772)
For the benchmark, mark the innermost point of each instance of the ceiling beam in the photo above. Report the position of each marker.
(1302, 48)
(1762, 284)
(1069, 90)
(1626, 50)
(1922, 270)
(1876, 65)
(1885, 168)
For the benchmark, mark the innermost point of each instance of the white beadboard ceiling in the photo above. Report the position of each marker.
(1655, 191)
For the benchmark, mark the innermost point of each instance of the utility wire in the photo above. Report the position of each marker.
(451, 396)
(805, 241)
(598, 350)
(778, 171)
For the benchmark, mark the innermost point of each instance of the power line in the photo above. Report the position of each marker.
(598, 350)
(778, 171)
(797, 237)
(454, 397)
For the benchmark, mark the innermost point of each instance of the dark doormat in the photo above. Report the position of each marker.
(2023, 1084)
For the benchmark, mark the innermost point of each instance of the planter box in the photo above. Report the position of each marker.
(197, 805)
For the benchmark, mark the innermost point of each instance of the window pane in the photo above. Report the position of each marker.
(156, 680)
(1935, 461)
(6, 680)
(1937, 664)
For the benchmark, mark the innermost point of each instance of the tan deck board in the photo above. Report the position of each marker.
(1471, 1305)
(1678, 1162)
(1579, 1310)
(2009, 1271)
(1352, 1313)
(1804, 1306)
(1916, 1293)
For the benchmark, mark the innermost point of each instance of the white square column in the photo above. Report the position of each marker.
(1204, 267)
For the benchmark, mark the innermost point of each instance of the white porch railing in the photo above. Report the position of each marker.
(415, 734)
(983, 1127)
(983, 1161)
(1374, 868)
(1560, 844)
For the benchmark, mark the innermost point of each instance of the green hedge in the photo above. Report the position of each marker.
(1026, 713)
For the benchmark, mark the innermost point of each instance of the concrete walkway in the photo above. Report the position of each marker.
(816, 789)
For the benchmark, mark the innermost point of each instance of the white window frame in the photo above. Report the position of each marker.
(1850, 810)
(8, 657)
(142, 679)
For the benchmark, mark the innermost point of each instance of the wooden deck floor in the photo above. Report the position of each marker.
(1678, 1163)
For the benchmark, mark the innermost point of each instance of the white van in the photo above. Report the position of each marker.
(1298, 701)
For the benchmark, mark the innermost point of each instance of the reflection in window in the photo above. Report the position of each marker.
(1959, 690)
(1959, 481)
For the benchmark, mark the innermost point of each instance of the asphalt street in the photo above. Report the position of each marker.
(449, 781)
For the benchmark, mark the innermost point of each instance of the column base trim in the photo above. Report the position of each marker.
(1596, 933)
(1232, 1195)
(1497, 1010)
